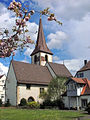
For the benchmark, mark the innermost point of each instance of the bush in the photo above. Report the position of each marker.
(23, 102)
(0, 102)
(52, 104)
(59, 103)
(34, 105)
(88, 108)
(7, 104)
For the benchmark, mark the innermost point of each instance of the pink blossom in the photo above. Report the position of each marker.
(26, 18)
(32, 12)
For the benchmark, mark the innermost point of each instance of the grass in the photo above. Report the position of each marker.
(22, 114)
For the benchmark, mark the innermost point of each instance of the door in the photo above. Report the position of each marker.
(84, 103)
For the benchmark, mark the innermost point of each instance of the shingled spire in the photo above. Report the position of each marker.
(41, 43)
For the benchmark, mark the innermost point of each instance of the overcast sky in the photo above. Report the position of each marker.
(70, 42)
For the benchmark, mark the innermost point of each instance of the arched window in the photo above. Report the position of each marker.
(35, 59)
(46, 58)
(30, 99)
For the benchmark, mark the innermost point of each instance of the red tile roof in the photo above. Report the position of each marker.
(41, 43)
(85, 67)
(78, 80)
(86, 88)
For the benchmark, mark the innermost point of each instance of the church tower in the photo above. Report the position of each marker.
(41, 53)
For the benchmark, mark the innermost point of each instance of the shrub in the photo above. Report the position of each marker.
(23, 102)
(34, 105)
(52, 104)
(88, 108)
(0, 102)
(7, 104)
(59, 103)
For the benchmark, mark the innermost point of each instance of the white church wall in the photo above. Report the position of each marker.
(34, 92)
(40, 61)
(49, 58)
(11, 86)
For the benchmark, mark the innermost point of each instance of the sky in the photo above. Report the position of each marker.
(70, 43)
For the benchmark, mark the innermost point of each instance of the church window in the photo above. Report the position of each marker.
(30, 99)
(41, 90)
(35, 59)
(28, 86)
(46, 58)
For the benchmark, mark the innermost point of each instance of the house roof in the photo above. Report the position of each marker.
(85, 67)
(78, 80)
(60, 69)
(86, 88)
(41, 43)
(31, 73)
(86, 82)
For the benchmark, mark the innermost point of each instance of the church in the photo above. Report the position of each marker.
(26, 80)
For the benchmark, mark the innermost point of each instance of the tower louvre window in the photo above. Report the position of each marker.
(46, 58)
(35, 59)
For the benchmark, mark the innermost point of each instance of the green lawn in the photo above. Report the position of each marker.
(22, 114)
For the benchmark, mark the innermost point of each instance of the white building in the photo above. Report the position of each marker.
(2, 88)
(26, 80)
(78, 93)
(84, 72)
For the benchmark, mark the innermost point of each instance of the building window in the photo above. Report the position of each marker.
(84, 103)
(4, 88)
(80, 75)
(41, 90)
(46, 58)
(35, 59)
(2, 96)
(2, 81)
(28, 86)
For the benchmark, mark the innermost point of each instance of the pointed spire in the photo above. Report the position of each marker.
(41, 43)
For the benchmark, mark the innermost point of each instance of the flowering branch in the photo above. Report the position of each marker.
(8, 44)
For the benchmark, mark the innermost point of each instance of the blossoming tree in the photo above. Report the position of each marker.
(10, 43)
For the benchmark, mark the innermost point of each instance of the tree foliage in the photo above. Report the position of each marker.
(10, 43)
(55, 89)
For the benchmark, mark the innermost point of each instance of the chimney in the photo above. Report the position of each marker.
(85, 62)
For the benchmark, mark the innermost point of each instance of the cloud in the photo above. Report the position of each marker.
(73, 65)
(55, 58)
(28, 51)
(56, 40)
(3, 69)
(79, 38)
(25, 60)
(72, 9)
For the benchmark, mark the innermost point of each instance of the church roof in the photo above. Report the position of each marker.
(31, 73)
(85, 67)
(1, 76)
(60, 70)
(41, 43)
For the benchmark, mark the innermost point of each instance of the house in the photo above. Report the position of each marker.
(26, 80)
(84, 72)
(2, 88)
(78, 93)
